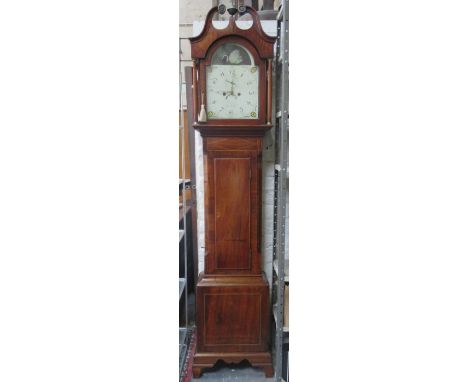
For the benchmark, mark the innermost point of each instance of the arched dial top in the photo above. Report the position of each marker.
(232, 77)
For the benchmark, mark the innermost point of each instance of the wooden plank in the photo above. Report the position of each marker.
(191, 137)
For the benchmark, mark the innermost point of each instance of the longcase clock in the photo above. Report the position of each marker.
(232, 110)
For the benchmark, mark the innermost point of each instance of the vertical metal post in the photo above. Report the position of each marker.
(281, 181)
(184, 201)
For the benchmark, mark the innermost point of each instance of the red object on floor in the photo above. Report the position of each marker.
(190, 355)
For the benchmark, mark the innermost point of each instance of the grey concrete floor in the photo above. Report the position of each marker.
(230, 373)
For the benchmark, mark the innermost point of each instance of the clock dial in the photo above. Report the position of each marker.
(232, 84)
(232, 91)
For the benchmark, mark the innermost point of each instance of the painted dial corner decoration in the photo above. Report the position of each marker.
(232, 84)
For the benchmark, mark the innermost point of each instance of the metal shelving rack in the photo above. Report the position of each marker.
(280, 265)
(183, 289)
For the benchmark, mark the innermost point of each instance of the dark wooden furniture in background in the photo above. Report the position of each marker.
(233, 307)
(193, 174)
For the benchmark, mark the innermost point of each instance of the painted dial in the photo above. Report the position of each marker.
(232, 91)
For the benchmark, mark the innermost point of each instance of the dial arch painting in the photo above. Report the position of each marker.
(232, 54)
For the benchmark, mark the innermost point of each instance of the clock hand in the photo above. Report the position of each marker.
(231, 92)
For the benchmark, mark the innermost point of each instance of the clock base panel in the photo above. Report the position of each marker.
(233, 321)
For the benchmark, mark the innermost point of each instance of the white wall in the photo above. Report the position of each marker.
(190, 11)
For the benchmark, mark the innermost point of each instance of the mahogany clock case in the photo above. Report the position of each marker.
(232, 295)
